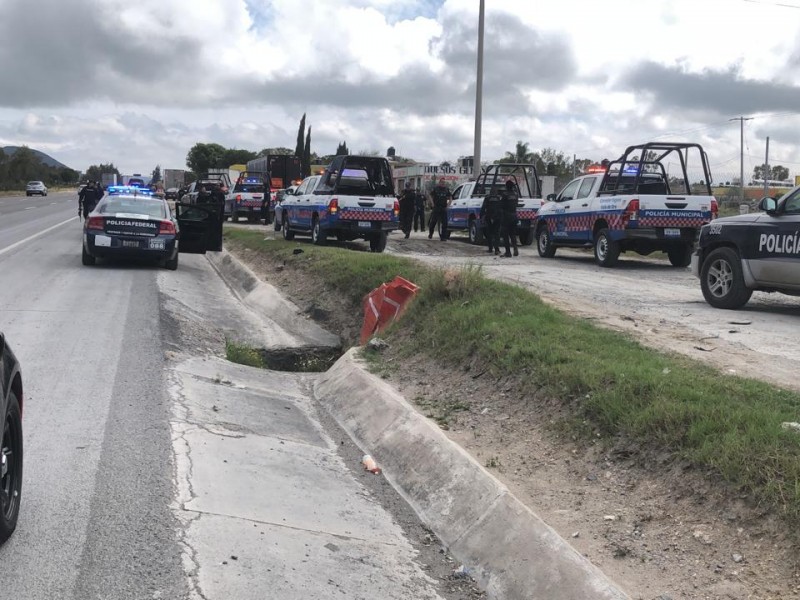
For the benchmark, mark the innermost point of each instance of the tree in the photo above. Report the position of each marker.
(305, 160)
(779, 173)
(202, 157)
(156, 176)
(281, 150)
(521, 154)
(234, 156)
(341, 149)
(299, 149)
(95, 172)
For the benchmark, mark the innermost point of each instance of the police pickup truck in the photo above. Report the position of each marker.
(247, 199)
(759, 251)
(353, 199)
(632, 204)
(464, 210)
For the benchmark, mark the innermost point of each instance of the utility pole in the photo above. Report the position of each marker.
(741, 150)
(766, 170)
(476, 153)
(574, 158)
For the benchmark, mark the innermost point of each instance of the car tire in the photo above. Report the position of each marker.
(318, 235)
(722, 281)
(606, 250)
(10, 467)
(87, 259)
(680, 256)
(475, 232)
(28, 194)
(172, 263)
(288, 234)
(377, 243)
(544, 242)
(527, 236)
(234, 217)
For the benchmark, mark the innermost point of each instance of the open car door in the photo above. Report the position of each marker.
(200, 228)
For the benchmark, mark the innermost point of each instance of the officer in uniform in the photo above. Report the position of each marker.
(419, 210)
(441, 196)
(491, 215)
(407, 201)
(508, 199)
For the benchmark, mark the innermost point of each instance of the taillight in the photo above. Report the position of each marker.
(166, 227)
(238, 197)
(333, 206)
(632, 211)
(714, 208)
(396, 208)
(96, 223)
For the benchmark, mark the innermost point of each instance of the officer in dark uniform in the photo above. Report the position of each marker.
(89, 197)
(441, 196)
(508, 199)
(407, 200)
(419, 210)
(492, 214)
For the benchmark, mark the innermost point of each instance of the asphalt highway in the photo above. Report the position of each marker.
(95, 519)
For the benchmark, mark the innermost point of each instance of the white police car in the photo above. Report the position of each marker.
(760, 251)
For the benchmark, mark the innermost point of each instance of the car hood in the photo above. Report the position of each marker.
(748, 218)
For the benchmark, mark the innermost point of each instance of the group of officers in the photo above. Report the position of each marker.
(88, 197)
(498, 214)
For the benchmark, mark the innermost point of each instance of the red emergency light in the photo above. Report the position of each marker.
(595, 169)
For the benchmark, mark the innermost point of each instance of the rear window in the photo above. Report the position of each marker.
(34, 183)
(134, 206)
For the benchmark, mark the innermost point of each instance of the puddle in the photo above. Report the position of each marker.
(300, 360)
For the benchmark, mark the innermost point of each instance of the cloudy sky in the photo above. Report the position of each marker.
(139, 82)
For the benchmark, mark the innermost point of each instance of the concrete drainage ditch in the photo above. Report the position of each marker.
(300, 360)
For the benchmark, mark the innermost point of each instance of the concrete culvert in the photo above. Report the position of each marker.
(305, 360)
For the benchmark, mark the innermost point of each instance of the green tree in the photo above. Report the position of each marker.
(281, 150)
(299, 149)
(234, 156)
(341, 149)
(202, 157)
(95, 172)
(780, 173)
(521, 154)
(305, 160)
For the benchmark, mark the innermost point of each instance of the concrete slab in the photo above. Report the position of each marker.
(508, 548)
(278, 562)
(268, 304)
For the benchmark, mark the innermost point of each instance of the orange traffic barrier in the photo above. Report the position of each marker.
(385, 304)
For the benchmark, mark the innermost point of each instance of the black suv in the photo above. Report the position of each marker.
(11, 445)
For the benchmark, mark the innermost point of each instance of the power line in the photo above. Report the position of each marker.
(781, 4)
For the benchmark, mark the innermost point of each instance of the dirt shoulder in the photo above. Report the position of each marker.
(660, 530)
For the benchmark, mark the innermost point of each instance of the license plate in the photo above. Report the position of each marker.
(365, 223)
(130, 243)
(156, 244)
(672, 232)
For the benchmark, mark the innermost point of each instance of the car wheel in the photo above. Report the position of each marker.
(680, 256)
(288, 235)
(722, 281)
(235, 217)
(544, 243)
(28, 194)
(318, 235)
(527, 236)
(172, 263)
(377, 243)
(10, 468)
(475, 232)
(86, 258)
(606, 250)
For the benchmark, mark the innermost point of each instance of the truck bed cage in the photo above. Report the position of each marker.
(492, 180)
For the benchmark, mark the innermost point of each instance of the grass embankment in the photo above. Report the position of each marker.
(660, 403)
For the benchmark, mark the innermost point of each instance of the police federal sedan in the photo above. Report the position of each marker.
(10, 440)
(760, 251)
(130, 223)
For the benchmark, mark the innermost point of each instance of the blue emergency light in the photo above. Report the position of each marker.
(128, 190)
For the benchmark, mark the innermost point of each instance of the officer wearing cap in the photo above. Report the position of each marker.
(440, 196)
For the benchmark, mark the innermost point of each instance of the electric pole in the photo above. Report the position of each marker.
(741, 150)
(766, 170)
(476, 153)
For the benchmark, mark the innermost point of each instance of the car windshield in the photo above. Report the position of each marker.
(133, 206)
(249, 188)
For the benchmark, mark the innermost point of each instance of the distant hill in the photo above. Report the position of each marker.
(45, 158)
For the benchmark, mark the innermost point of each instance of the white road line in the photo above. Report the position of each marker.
(34, 236)
(29, 207)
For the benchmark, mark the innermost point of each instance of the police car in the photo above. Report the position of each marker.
(247, 199)
(131, 223)
(760, 251)
(11, 402)
(353, 199)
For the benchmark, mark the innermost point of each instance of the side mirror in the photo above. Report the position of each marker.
(551, 197)
(768, 205)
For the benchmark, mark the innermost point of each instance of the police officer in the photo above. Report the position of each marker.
(508, 225)
(407, 201)
(492, 214)
(89, 197)
(84, 191)
(440, 197)
(419, 210)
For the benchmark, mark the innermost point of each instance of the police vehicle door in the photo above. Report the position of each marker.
(566, 200)
(200, 228)
(581, 206)
(774, 251)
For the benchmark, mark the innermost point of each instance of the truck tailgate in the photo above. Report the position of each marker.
(677, 210)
